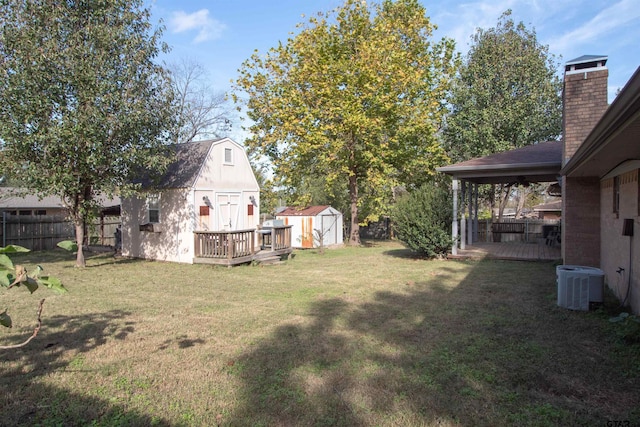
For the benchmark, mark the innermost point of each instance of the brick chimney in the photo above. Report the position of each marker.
(584, 99)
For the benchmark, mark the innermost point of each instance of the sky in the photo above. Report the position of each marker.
(222, 34)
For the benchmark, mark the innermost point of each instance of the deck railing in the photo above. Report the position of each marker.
(281, 237)
(224, 244)
(525, 230)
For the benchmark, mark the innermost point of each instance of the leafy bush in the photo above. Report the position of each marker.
(16, 275)
(629, 327)
(422, 220)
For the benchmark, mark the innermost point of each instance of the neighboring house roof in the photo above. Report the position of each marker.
(308, 211)
(19, 198)
(534, 163)
(549, 207)
(615, 137)
(15, 198)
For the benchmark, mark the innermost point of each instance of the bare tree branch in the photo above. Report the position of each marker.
(35, 331)
(203, 112)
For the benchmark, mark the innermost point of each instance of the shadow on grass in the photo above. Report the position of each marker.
(182, 341)
(404, 253)
(41, 257)
(493, 350)
(27, 400)
(93, 258)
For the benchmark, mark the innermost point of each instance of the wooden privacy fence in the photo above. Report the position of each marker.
(45, 231)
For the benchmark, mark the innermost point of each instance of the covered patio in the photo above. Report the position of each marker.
(514, 251)
(537, 163)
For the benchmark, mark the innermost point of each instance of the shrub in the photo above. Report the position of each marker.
(422, 220)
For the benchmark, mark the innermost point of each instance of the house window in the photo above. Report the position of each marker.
(40, 212)
(228, 156)
(153, 208)
(616, 195)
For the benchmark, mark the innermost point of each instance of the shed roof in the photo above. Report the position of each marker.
(308, 211)
(534, 163)
(183, 171)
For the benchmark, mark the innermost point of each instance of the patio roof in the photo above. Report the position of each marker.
(534, 163)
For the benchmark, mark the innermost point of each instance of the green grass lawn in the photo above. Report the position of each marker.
(368, 336)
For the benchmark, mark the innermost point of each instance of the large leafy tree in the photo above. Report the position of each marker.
(356, 97)
(83, 105)
(506, 95)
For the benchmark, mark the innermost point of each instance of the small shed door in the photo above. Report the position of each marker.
(307, 231)
(228, 212)
(329, 229)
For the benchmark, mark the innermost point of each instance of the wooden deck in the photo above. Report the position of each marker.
(517, 251)
(239, 246)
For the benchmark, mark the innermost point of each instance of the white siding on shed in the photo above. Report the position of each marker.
(311, 231)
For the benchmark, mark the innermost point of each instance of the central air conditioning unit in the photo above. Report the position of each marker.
(578, 286)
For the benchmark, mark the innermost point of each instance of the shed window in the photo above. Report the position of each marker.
(153, 208)
(228, 156)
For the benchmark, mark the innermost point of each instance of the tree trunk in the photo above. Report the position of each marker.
(79, 224)
(522, 197)
(504, 198)
(354, 237)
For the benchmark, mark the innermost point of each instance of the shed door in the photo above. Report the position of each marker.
(329, 229)
(307, 231)
(228, 214)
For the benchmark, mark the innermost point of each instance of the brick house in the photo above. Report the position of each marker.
(600, 186)
(598, 165)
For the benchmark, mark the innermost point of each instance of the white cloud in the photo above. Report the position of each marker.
(605, 22)
(461, 21)
(208, 28)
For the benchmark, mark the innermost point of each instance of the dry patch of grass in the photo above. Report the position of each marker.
(367, 336)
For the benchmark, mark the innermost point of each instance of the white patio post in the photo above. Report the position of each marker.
(463, 220)
(470, 219)
(475, 217)
(454, 223)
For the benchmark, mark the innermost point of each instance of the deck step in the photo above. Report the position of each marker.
(270, 260)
